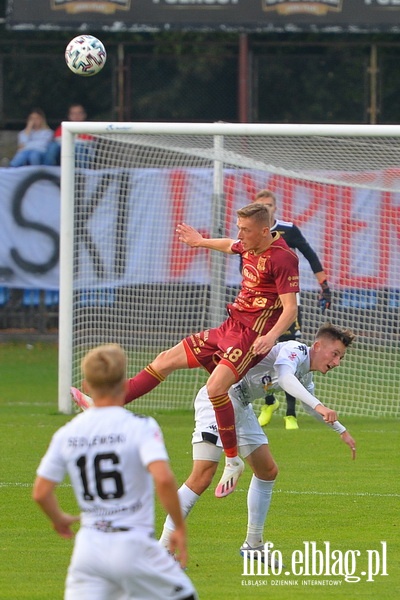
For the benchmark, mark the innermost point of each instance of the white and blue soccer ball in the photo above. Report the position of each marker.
(85, 55)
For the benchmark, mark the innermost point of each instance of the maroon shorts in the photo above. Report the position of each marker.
(228, 344)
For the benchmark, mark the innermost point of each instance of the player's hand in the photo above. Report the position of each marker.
(325, 297)
(189, 235)
(329, 415)
(263, 344)
(346, 437)
(63, 525)
(178, 547)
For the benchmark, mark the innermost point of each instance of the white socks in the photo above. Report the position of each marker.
(188, 499)
(258, 502)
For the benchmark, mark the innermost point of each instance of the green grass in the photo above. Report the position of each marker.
(320, 495)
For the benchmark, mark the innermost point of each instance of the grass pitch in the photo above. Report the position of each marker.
(320, 496)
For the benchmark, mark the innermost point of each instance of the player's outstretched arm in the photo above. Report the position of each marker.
(289, 383)
(329, 415)
(336, 426)
(193, 238)
(166, 490)
(44, 495)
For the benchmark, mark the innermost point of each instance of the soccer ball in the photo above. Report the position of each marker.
(85, 55)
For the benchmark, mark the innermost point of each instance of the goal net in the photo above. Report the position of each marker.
(126, 278)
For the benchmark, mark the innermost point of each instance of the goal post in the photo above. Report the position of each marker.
(124, 276)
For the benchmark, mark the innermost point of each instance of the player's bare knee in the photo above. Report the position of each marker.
(273, 472)
(170, 360)
(204, 483)
(201, 479)
(210, 389)
(214, 388)
(163, 363)
(268, 472)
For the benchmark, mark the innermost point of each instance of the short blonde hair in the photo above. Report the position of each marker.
(265, 194)
(257, 211)
(104, 369)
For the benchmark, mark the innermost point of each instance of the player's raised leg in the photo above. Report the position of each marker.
(156, 372)
(222, 377)
(147, 379)
(218, 385)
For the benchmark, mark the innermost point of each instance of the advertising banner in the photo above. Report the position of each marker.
(335, 16)
(355, 232)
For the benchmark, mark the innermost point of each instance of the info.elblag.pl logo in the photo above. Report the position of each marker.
(313, 561)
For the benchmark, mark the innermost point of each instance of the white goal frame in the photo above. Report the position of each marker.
(220, 131)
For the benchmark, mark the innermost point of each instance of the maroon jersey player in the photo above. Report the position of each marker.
(264, 308)
(254, 312)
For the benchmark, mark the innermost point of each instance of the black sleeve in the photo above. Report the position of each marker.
(295, 239)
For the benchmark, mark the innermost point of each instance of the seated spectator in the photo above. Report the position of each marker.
(83, 143)
(33, 141)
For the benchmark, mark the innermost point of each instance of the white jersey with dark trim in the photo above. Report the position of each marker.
(262, 379)
(106, 452)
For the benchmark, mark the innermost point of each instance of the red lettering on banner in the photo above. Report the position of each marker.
(346, 229)
(181, 255)
(250, 187)
(390, 223)
(349, 228)
(237, 185)
(286, 188)
(320, 198)
(283, 187)
(178, 191)
(315, 195)
(390, 216)
(229, 192)
(331, 208)
(331, 217)
(391, 212)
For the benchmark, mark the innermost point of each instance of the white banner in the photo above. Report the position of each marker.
(355, 232)
(30, 227)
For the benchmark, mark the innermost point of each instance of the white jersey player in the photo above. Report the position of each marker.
(288, 366)
(285, 368)
(112, 457)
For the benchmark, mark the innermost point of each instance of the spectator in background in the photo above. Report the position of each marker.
(83, 144)
(33, 141)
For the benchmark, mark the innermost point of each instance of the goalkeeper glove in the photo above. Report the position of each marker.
(325, 297)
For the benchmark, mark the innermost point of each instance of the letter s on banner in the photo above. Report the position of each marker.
(22, 221)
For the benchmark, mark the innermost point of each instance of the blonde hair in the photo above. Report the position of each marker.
(259, 212)
(104, 369)
(265, 194)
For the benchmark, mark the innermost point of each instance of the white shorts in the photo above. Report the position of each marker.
(123, 565)
(249, 433)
